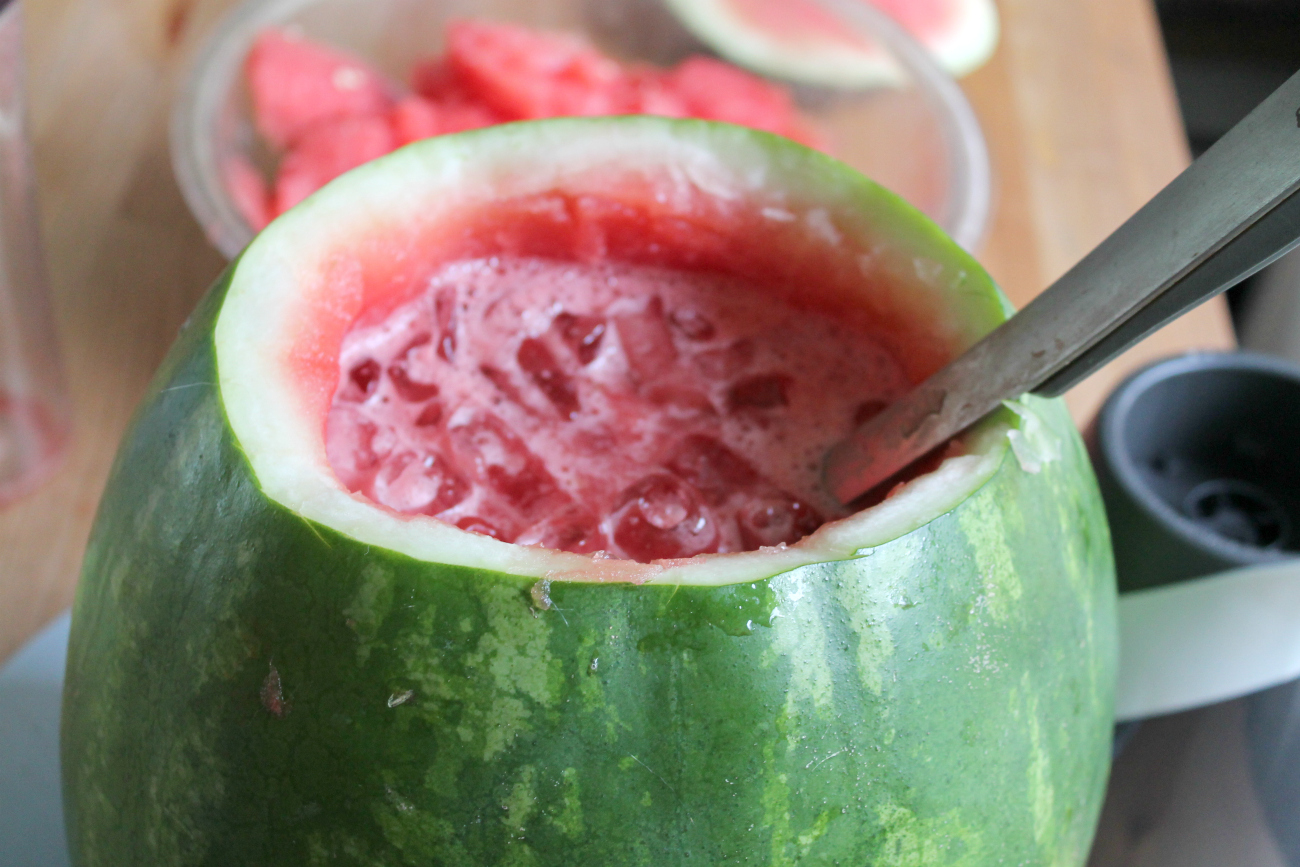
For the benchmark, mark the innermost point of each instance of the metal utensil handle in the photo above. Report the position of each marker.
(1272, 236)
(1230, 213)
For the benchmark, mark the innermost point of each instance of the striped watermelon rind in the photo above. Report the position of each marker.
(965, 43)
(257, 678)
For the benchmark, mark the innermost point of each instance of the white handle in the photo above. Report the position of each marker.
(1208, 640)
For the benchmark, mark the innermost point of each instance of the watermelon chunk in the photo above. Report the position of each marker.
(522, 73)
(715, 90)
(296, 84)
(416, 118)
(327, 150)
(267, 669)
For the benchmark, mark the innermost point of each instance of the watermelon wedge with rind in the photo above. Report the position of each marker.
(266, 670)
(805, 41)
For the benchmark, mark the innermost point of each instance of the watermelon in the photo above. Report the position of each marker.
(714, 90)
(523, 73)
(326, 150)
(649, 413)
(804, 41)
(266, 669)
(324, 109)
(296, 84)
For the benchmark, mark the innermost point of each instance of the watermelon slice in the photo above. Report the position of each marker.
(802, 40)
(296, 84)
(267, 668)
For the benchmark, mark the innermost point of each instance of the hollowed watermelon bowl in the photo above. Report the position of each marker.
(913, 131)
(265, 669)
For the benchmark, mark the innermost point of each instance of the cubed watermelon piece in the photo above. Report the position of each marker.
(635, 90)
(296, 83)
(438, 80)
(328, 111)
(522, 73)
(647, 90)
(327, 150)
(416, 118)
(714, 90)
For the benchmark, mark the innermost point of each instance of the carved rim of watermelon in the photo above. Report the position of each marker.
(371, 237)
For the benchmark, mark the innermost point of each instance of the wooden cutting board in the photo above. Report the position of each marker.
(1077, 106)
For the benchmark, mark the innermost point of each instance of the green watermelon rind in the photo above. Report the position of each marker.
(964, 46)
(249, 686)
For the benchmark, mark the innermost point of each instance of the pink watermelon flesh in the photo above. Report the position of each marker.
(800, 20)
(438, 80)
(522, 73)
(416, 118)
(649, 412)
(715, 90)
(327, 150)
(304, 93)
(296, 84)
(919, 16)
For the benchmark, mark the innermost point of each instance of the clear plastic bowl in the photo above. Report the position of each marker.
(916, 134)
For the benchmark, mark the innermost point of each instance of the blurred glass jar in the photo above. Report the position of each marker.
(34, 412)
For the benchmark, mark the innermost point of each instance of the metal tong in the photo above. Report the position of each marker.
(1233, 211)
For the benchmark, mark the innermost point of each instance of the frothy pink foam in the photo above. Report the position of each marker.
(645, 412)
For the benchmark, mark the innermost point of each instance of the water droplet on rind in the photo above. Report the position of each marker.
(541, 595)
(737, 610)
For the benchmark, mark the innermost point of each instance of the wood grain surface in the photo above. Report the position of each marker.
(1077, 106)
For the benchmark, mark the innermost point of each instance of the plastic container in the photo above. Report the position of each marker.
(917, 135)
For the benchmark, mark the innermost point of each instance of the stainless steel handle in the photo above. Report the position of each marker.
(1229, 214)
